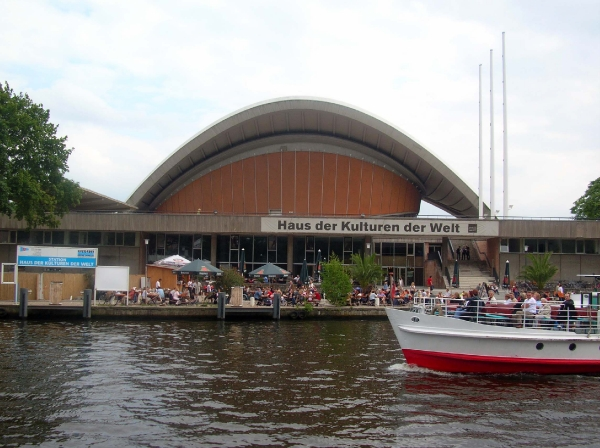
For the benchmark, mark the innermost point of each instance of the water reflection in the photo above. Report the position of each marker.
(306, 383)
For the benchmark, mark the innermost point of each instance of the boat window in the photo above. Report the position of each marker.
(572, 347)
(539, 345)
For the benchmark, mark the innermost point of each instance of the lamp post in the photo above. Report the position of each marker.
(147, 241)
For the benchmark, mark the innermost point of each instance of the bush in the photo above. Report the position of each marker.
(230, 278)
(336, 283)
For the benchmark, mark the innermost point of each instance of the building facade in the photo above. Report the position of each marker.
(286, 179)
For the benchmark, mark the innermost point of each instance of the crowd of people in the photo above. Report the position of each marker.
(533, 307)
(294, 293)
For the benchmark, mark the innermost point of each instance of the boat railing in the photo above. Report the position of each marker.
(572, 321)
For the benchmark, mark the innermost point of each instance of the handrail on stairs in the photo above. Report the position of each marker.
(487, 261)
(444, 270)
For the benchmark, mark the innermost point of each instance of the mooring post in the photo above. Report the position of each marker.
(276, 306)
(87, 303)
(23, 299)
(221, 305)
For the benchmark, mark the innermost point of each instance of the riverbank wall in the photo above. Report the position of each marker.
(206, 312)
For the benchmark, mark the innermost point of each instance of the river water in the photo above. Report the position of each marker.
(288, 383)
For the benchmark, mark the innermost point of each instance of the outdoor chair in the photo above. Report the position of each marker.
(106, 297)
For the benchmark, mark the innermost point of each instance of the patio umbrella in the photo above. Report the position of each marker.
(506, 280)
(455, 277)
(304, 273)
(269, 270)
(173, 260)
(198, 267)
(242, 262)
(318, 266)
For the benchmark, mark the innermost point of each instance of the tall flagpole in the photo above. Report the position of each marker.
(480, 151)
(492, 174)
(505, 149)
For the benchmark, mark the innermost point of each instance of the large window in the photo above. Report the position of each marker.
(161, 245)
(258, 250)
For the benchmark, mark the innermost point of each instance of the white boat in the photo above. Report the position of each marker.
(454, 345)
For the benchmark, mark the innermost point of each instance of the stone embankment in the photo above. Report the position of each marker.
(74, 310)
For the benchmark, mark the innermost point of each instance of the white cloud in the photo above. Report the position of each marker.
(131, 81)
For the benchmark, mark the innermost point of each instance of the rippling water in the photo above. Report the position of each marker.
(289, 383)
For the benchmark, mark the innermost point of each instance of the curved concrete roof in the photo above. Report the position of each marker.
(290, 120)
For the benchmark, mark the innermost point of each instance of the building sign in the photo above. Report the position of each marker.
(57, 257)
(385, 227)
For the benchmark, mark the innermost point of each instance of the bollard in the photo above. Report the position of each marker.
(221, 305)
(23, 299)
(276, 306)
(87, 304)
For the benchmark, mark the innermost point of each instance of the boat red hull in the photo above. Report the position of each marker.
(464, 363)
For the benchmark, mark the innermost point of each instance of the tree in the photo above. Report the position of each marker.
(588, 205)
(33, 161)
(540, 271)
(230, 278)
(335, 283)
(365, 271)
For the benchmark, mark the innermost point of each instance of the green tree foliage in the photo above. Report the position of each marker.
(230, 278)
(588, 205)
(540, 271)
(365, 271)
(33, 161)
(335, 283)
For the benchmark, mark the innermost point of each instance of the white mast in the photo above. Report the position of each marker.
(480, 152)
(505, 149)
(492, 177)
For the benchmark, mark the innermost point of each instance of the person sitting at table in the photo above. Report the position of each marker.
(372, 297)
(133, 295)
(144, 295)
(382, 297)
(173, 297)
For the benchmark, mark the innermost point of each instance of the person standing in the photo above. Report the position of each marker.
(430, 284)
(458, 253)
(159, 290)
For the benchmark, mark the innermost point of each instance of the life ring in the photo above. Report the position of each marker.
(293, 315)
(301, 315)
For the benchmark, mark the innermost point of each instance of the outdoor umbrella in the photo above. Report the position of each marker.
(318, 266)
(198, 267)
(506, 280)
(173, 260)
(304, 273)
(242, 262)
(269, 270)
(455, 277)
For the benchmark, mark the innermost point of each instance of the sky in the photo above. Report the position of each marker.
(130, 81)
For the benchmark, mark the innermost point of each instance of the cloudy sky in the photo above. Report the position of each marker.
(130, 81)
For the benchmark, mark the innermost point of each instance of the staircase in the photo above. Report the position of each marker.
(472, 273)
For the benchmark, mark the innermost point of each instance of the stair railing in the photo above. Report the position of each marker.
(487, 260)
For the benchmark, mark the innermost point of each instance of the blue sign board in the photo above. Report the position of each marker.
(57, 257)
